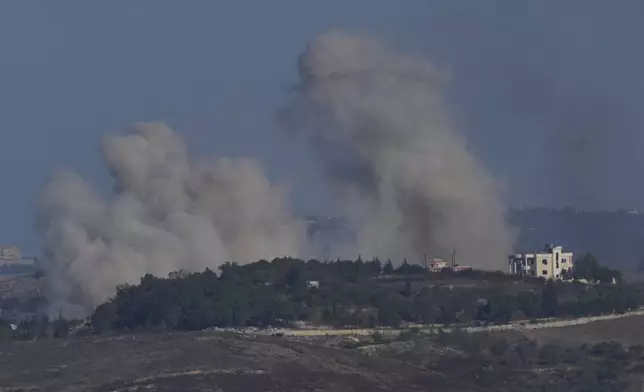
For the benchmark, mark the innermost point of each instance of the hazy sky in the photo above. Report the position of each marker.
(550, 93)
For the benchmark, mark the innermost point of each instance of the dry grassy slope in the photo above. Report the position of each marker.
(232, 363)
(627, 330)
(203, 362)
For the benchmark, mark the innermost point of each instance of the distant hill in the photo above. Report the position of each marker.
(616, 238)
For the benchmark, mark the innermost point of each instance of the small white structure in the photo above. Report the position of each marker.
(312, 284)
(550, 263)
(437, 265)
(9, 253)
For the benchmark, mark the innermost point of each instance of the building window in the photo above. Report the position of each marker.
(563, 260)
(544, 261)
(544, 272)
(531, 261)
(557, 264)
(557, 256)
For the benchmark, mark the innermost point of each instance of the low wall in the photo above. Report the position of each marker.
(437, 329)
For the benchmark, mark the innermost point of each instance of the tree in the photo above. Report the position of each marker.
(549, 300)
(588, 268)
(104, 317)
(426, 307)
(388, 269)
(292, 277)
(263, 294)
(375, 267)
(33, 329)
(404, 268)
(61, 328)
(501, 308)
(407, 291)
(6, 333)
(529, 304)
(388, 315)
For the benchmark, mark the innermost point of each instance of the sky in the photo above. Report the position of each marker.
(548, 93)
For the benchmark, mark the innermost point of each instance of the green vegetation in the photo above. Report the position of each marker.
(350, 293)
(34, 328)
(28, 319)
(588, 268)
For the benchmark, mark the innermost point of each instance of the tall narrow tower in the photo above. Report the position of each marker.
(454, 258)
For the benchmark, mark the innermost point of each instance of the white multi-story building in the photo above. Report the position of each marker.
(550, 263)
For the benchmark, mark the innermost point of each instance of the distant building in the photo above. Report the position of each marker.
(312, 284)
(437, 265)
(9, 253)
(550, 263)
(11, 256)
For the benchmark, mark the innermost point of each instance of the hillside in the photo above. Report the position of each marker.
(203, 361)
(165, 334)
(626, 331)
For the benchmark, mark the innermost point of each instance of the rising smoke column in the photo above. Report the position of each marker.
(167, 213)
(376, 121)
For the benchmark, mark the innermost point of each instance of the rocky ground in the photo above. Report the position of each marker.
(225, 362)
(626, 330)
(202, 362)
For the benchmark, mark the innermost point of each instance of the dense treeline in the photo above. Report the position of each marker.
(33, 328)
(348, 293)
(25, 319)
(588, 268)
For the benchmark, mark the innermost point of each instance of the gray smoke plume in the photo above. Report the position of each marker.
(376, 120)
(167, 213)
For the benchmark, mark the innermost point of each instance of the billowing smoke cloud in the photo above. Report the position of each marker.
(167, 213)
(375, 119)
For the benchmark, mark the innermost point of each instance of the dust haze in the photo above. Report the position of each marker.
(168, 213)
(376, 121)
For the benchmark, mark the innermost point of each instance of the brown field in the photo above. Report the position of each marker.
(627, 331)
(218, 362)
(202, 362)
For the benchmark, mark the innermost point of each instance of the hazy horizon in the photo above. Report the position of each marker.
(546, 95)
